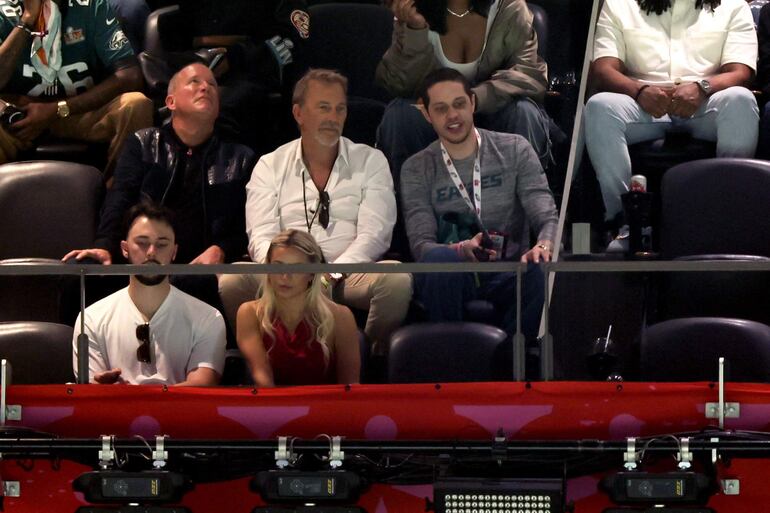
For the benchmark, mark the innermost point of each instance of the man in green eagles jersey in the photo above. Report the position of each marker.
(68, 65)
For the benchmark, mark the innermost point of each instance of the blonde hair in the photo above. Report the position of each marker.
(326, 76)
(318, 313)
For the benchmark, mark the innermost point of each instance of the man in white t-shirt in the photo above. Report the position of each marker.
(664, 63)
(151, 332)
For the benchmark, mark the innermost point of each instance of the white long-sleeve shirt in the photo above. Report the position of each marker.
(362, 205)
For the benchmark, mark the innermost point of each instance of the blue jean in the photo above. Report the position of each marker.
(444, 294)
(613, 121)
(404, 131)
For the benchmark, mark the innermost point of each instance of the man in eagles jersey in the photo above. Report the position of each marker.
(70, 68)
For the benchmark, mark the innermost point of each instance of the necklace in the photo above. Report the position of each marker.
(450, 11)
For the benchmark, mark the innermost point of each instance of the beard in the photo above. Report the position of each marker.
(328, 138)
(150, 280)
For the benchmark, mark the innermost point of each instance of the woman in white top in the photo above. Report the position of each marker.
(492, 42)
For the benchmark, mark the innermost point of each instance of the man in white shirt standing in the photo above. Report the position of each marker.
(664, 63)
(151, 332)
(338, 191)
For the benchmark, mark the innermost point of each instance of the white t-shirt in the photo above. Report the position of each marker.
(467, 69)
(185, 333)
(683, 44)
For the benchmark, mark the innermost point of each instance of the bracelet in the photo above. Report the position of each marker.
(30, 31)
(639, 92)
(459, 250)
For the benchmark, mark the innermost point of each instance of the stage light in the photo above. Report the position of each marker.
(666, 487)
(468, 495)
(295, 486)
(659, 509)
(309, 509)
(132, 509)
(110, 486)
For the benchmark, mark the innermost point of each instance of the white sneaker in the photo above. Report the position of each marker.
(620, 243)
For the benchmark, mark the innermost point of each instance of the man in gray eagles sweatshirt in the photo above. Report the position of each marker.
(470, 196)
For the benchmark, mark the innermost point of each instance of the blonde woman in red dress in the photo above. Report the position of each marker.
(294, 334)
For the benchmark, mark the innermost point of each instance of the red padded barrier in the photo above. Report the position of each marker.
(555, 410)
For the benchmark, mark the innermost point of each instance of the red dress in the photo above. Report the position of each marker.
(294, 360)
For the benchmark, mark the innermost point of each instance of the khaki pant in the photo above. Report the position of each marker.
(385, 296)
(112, 123)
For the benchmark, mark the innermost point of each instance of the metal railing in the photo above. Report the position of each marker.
(546, 343)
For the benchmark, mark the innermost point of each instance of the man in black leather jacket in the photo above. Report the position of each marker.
(186, 167)
(261, 41)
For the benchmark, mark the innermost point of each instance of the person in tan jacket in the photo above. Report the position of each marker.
(491, 42)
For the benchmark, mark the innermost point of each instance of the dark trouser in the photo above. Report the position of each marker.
(763, 148)
(404, 131)
(444, 294)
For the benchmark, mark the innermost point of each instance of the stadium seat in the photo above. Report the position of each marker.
(715, 210)
(653, 158)
(446, 352)
(39, 352)
(69, 150)
(688, 349)
(716, 206)
(739, 294)
(46, 209)
(159, 33)
(352, 38)
(158, 40)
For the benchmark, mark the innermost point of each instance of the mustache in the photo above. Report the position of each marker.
(151, 261)
(330, 124)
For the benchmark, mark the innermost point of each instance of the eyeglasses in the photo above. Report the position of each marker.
(323, 213)
(143, 351)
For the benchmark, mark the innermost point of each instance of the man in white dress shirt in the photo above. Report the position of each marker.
(340, 192)
(664, 63)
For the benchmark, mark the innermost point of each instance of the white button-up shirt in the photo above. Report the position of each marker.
(362, 205)
(684, 44)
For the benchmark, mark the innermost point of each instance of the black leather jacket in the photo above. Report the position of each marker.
(151, 163)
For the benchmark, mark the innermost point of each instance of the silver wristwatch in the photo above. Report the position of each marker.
(705, 86)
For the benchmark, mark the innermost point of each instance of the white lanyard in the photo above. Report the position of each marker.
(450, 167)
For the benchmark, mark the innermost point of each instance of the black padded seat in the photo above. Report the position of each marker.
(688, 349)
(39, 352)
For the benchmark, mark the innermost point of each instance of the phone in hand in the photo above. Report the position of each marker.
(481, 253)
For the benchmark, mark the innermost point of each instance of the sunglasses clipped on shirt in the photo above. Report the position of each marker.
(323, 209)
(143, 335)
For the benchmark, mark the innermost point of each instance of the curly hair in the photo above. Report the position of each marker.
(435, 12)
(661, 6)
